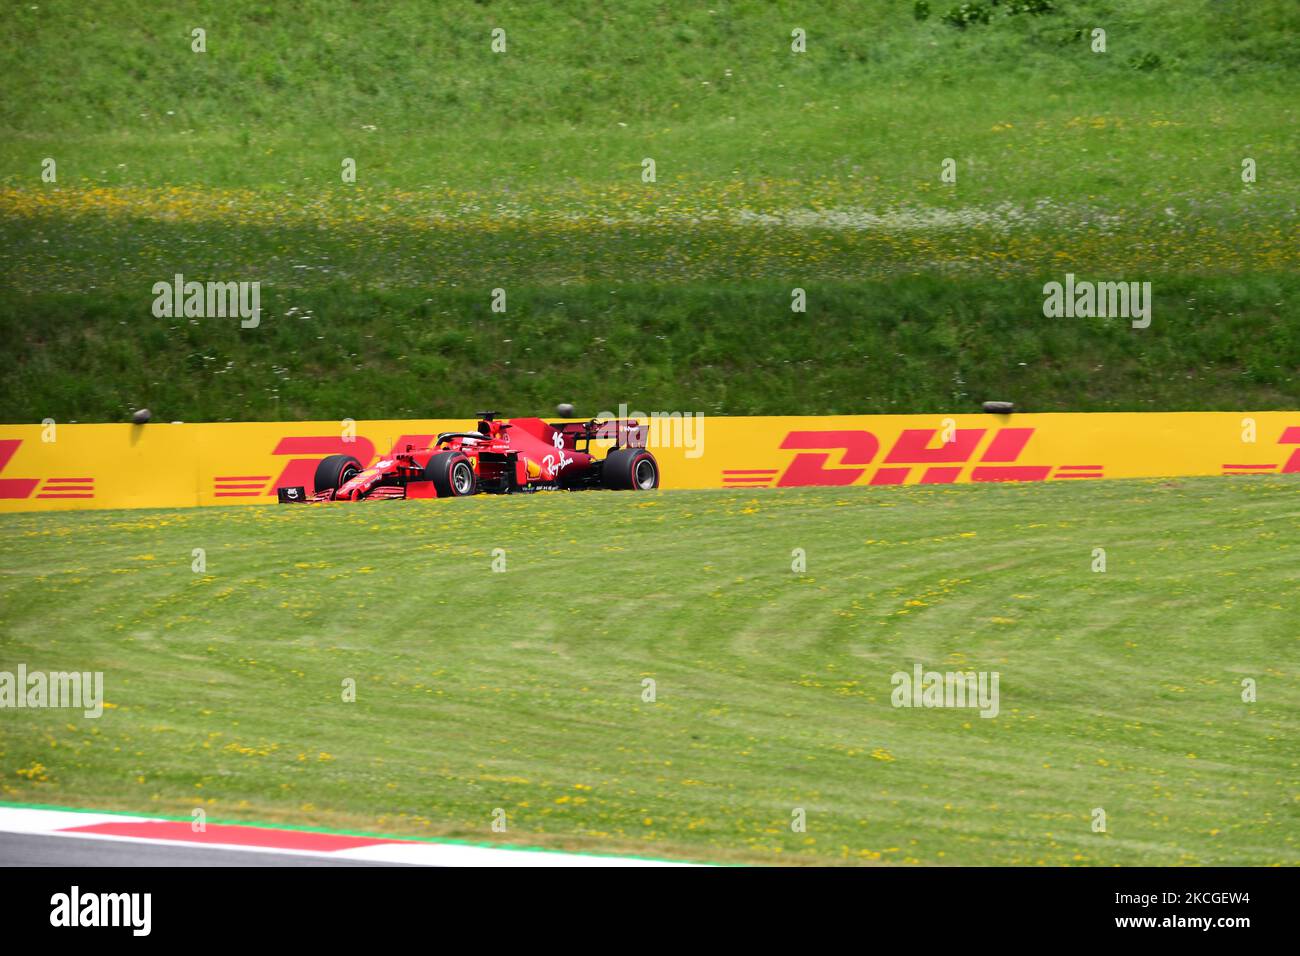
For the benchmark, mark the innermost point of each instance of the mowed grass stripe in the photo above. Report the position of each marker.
(522, 690)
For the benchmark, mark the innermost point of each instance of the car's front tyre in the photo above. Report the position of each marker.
(452, 474)
(335, 471)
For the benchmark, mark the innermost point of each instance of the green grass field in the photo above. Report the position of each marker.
(522, 171)
(522, 690)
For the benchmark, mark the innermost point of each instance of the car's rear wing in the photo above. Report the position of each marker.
(623, 432)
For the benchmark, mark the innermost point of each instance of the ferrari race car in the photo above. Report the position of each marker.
(523, 454)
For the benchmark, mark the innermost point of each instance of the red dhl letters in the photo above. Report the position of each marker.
(913, 447)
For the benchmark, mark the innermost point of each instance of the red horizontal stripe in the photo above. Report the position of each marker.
(1082, 475)
(62, 495)
(242, 478)
(237, 494)
(749, 471)
(1010, 473)
(1270, 467)
(1082, 467)
(181, 831)
(78, 481)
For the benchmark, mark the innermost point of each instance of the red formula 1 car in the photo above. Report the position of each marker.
(523, 454)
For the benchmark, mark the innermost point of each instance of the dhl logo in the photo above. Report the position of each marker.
(42, 487)
(304, 452)
(915, 451)
(1290, 436)
(300, 470)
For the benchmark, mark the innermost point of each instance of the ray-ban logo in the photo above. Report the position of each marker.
(208, 300)
(950, 689)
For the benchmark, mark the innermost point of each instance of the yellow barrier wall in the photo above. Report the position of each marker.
(170, 466)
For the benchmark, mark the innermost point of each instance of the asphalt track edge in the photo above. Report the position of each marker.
(291, 840)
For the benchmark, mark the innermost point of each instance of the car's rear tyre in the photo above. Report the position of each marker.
(335, 471)
(630, 469)
(452, 474)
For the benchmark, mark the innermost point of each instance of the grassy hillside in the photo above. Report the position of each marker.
(522, 171)
(913, 344)
(522, 690)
